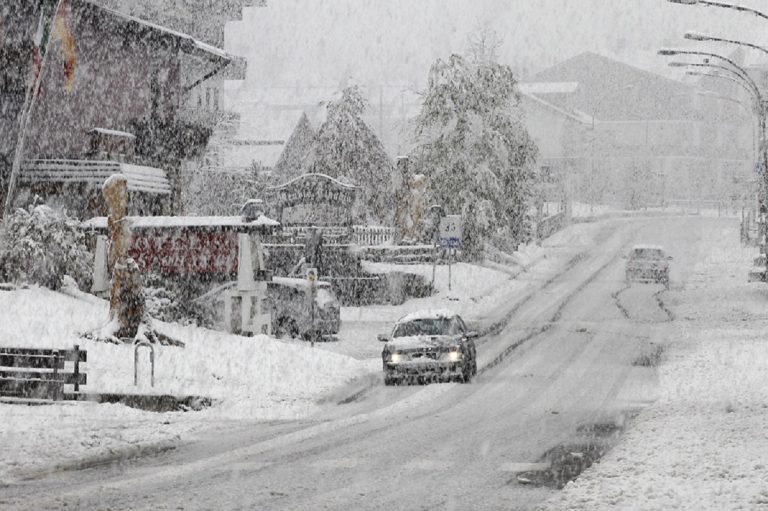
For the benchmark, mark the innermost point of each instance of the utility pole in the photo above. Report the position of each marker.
(46, 20)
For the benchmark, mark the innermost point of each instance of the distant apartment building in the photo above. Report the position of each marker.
(620, 134)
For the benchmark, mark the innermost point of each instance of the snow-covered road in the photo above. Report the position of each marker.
(563, 361)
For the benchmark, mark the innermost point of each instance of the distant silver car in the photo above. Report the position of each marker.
(648, 263)
(429, 345)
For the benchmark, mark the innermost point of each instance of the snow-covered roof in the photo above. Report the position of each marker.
(188, 44)
(114, 133)
(139, 222)
(548, 87)
(576, 115)
(427, 314)
(305, 176)
(647, 247)
(140, 178)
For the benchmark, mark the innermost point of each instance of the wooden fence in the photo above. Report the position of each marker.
(41, 373)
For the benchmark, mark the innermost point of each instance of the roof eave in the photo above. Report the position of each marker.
(185, 42)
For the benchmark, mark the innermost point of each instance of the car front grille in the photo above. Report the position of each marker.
(423, 355)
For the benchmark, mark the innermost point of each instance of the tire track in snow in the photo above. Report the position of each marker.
(624, 311)
(662, 305)
(499, 358)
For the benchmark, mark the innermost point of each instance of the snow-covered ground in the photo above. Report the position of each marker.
(704, 443)
(257, 378)
(585, 210)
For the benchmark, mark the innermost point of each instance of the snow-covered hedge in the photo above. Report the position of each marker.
(39, 245)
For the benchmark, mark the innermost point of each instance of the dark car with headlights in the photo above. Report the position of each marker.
(429, 346)
(648, 263)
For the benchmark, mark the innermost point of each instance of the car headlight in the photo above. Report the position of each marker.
(454, 356)
(395, 358)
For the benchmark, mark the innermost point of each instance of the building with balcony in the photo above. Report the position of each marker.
(126, 102)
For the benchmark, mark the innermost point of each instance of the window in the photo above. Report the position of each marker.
(426, 326)
(647, 253)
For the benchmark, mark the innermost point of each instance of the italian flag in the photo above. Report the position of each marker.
(62, 32)
(54, 21)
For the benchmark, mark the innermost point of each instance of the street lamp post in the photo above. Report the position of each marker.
(708, 3)
(761, 109)
(667, 52)
(698, 36)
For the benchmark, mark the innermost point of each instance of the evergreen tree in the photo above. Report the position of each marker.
(348, 149)
(296, 156)
(474, 148)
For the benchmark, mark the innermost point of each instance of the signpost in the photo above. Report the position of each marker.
(450, 238)
(312, 278)
(450, 231)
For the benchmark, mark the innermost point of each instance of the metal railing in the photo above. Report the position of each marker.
(372, 235)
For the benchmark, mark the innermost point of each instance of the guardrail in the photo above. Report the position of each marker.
(550, 225)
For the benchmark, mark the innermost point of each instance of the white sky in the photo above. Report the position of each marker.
(309, 43)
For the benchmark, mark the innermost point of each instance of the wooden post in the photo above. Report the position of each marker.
(56, 374)
(77, 368)
(126, 303)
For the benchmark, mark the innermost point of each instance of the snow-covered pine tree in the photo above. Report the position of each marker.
(294, 160)
(474, 149)
(347, 148)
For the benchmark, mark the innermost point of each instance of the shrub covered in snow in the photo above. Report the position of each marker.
(172, 301)
(40, 245)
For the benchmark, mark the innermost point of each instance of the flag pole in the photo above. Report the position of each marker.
(29, 103)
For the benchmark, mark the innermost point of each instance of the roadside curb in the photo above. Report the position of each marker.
(115, 455)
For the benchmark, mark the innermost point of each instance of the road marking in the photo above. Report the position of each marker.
(523, 467)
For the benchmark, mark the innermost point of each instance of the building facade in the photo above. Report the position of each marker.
(131, 76)
(621, 135)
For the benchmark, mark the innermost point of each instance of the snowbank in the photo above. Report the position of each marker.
(704, 443)
(256, 378)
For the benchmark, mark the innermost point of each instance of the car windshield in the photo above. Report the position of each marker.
(427, 326)
(647, 253)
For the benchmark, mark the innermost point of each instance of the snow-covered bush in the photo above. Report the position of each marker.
(172, 301)
(40, 245)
